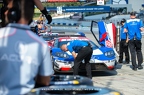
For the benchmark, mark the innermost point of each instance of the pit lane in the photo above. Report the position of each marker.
(122, 79)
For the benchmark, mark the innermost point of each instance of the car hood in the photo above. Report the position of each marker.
(98, 53)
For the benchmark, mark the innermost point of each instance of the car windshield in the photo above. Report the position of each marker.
(47, 38)
(94, 46)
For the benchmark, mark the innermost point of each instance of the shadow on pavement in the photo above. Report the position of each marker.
(94, 73)
(104, 73)
(119, 66)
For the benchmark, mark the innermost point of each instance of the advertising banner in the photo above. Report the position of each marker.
(100, 2)
(82, 9)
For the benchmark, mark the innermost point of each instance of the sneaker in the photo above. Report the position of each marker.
(126, 63)
(140, 67)
(135, 69)
(89, 77)
(120, 62)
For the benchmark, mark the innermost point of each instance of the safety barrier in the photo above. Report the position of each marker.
(72, 85)
(73, 90)
(65, 24)
(70, 80)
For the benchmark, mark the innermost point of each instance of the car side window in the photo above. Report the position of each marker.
(93, 45)
(56, 43)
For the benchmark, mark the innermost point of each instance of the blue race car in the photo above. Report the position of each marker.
(103, 58)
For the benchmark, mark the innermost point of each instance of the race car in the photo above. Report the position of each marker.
(49, 38)
(103, 58)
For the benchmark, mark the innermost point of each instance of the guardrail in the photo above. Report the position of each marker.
(84, 23)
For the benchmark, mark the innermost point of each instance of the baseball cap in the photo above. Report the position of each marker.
(123, 20)
(132, 13)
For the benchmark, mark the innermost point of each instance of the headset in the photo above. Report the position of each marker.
(14, 13)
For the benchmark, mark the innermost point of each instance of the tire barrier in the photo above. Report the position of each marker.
(65, 24)
(73, 90)
(70, 80)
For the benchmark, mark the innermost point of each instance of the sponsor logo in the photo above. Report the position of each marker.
(21, 47)
(19, 55)
(3, 90)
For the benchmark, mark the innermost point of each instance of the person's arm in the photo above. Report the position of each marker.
(74, 54)
(125, 28)
(43, 10)
(142, 29)
(45, 69)
(42, 81)
(70, 49)
(39, 4)
(127, 38)
(141, 26)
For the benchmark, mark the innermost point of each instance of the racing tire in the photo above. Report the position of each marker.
(70, 80)
(73, 90)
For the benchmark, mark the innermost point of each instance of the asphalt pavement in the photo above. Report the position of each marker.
(122, 79)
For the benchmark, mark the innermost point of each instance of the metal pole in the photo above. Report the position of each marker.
(118, 37)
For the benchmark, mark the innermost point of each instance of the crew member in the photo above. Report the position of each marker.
(24, 56)
(123, 44)
(37, 3)
(84, 51)
(134, 27)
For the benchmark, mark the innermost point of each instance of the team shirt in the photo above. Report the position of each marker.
(23, 55)
(122, 33)
(76, 45)
(133, 26)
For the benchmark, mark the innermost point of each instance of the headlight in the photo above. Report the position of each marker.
(62, 55)
(109, 53)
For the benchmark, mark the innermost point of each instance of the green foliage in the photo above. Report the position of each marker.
(63, 4)
(36, 15)
(1, 5)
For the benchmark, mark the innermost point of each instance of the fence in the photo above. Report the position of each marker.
(85, 23)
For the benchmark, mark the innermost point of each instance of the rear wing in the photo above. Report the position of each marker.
(52, 36)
